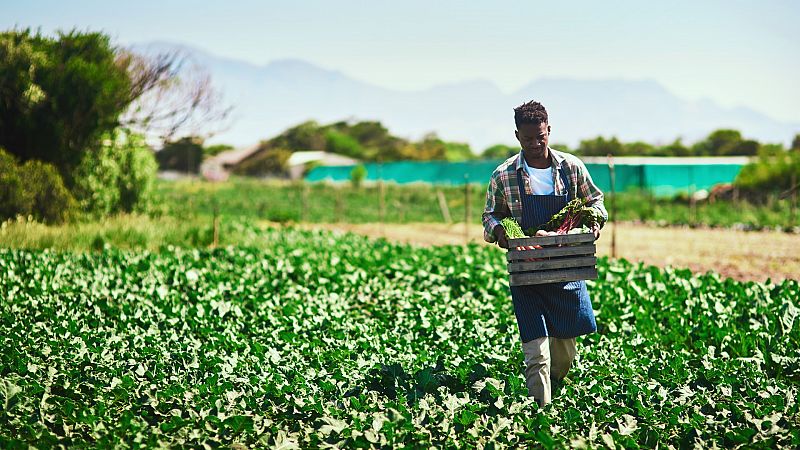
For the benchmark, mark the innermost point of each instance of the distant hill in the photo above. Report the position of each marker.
(268, 99)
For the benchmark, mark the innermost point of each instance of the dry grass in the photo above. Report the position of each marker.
(741, 255)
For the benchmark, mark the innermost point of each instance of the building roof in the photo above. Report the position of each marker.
(233, 156)
(324, 158)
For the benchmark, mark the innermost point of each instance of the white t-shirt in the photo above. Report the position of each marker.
(541, 179)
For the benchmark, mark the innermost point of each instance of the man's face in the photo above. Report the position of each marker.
(533, 138)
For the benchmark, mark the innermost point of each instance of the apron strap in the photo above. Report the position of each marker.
(565, 180)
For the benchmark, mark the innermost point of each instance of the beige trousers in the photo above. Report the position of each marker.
(546, 358)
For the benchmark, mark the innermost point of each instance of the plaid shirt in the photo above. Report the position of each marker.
(503, 199)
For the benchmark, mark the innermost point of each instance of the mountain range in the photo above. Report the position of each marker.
(270, 98)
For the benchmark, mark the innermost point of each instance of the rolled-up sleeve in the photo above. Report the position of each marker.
(496, 208)
(589, 191)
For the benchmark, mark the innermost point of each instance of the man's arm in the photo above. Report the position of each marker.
(593, 195)
(496, 210)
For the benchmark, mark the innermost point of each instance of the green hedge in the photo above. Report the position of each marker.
(33, 189)
(118, 176)
(775, 171)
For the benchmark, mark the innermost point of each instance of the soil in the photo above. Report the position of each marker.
(741, 255)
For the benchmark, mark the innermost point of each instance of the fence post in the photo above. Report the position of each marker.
(794, 188)
(466, 208)
(692, 200)
(612, 177)
(443, 206)
(382, 204)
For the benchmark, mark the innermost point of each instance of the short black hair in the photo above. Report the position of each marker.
(531, 112)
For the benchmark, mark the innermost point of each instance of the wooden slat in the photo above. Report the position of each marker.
(556, 263)
(552, 240)
(552, 276)
(516, 255)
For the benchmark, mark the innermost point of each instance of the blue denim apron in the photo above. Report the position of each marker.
(561, 310)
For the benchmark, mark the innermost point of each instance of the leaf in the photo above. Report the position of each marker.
(790, 313)
(608, 440)
(332, 426)
(239, 424)
(628, 426)
(9, 391)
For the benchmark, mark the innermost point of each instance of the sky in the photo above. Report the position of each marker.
(736, 53)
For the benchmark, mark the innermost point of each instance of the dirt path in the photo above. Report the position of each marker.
(742, 255)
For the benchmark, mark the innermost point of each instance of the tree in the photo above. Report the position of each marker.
(600, 147)
(305, 136)
(499, 151)
(343, 144)
(376, 140)
(776, 170)
(60, 95)
(183, 155)
(637, 148)
(458, 151)
(676, 148)
(725, 142)
(719, 142)
(170, 96)
(116, 176)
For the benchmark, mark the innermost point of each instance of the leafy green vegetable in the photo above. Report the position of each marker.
(513, 230)
(574, 215)
(334, 340)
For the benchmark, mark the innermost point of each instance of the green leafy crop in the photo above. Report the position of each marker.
(513, 230)
(327, 340)
(574, 215)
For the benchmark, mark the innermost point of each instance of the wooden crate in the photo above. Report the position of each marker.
(566, 257)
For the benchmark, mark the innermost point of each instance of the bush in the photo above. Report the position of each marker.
(13, 200)
(116, 177)
(343, 144)
(357, 175)
(96, 182)
(33, 189)
(183, 155)
(59, 94)
(138, 169)
(772, 172)
(51, 200)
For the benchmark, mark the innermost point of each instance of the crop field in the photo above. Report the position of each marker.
(326, 203)
(320, 339)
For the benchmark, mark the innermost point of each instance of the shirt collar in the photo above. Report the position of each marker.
(555, 157)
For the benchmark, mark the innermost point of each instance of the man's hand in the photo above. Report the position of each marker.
(596, 231)
(500, 234)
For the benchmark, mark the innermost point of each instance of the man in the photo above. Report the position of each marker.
(532, 186)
